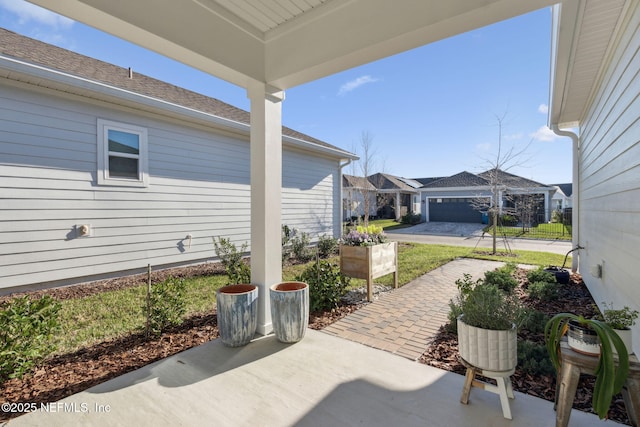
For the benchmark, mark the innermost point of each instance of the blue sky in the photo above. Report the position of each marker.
(430, 111)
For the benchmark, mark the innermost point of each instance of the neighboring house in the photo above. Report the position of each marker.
(452, 198)
(595, 95)
(104, 171)
(397, 196)
(355, 189)
(562, 197)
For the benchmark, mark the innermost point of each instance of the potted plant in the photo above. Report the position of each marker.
(609, 377)
(237, 303)
(487, 320)
(289, 310)
(621, 320)
(366, 254)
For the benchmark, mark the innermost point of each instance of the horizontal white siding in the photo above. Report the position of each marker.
(609, 161)
(199, 185)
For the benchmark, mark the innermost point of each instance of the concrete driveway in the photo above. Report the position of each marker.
(464, 234)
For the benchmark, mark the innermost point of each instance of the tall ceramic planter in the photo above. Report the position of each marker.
(289, 310)
(488, 349)
(370, 262)
(237, 313)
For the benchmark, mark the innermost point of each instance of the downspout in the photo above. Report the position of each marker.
(340, 168)
(575, 195)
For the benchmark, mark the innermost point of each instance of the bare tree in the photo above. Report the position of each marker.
(498, 181)
(366, 165)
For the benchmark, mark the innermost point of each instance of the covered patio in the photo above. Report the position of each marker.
(323, 380)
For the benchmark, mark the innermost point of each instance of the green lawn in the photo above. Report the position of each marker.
(95, 318)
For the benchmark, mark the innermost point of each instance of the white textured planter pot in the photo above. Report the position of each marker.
(625, 335)
(488, 349)
(237, 314)
(289, 310)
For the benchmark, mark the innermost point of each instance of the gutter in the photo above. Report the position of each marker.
(575, 195)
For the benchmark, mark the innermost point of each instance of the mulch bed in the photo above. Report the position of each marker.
(68, 374)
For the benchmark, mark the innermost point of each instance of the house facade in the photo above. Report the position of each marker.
(465, 197)
(595, 100)
(355, 190)
(104, 171)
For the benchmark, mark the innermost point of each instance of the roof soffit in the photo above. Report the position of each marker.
(584, 36)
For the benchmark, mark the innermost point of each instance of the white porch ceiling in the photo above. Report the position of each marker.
(285, 43)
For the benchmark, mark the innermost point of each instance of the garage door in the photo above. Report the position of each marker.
(453, 210)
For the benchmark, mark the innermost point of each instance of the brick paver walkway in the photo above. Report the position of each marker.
(405, 320)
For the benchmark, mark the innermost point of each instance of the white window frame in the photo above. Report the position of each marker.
(104, 126)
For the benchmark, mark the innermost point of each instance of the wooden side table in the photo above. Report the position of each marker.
(574, 364)
(502, 389)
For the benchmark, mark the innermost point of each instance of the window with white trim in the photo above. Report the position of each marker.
(122, 154)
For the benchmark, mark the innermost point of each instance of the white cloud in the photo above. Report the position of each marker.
(29, 12)
(543, 108)
(356, 83)
(544, 134)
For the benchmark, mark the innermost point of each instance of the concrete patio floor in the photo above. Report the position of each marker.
(323, 380)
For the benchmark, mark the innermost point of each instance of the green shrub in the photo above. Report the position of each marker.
(166, 305)
(326, 285)
(411, 219)
(544, 291)
(539, 275)
(534, 321)
(300, 246)
(501, 278)
(533, 359)
(484, 305)
(231, 258)
(26, 329)
(287, 233)
(327, 246)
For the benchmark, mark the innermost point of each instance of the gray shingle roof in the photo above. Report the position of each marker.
(350, 181)
(510, 180)
(462, 179)
(36, 52)
(384, 181)
(567, 189)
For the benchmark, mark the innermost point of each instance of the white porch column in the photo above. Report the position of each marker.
(547, 206)
(398, 205)
(266, 198)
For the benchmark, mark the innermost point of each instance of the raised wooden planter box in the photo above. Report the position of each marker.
(370, 262)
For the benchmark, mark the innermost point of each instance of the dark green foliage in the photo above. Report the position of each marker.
(501, 278)
(166, 305)
(326, 285)
(301, 247)
(533, 359)
(539, 275)
(231, 258)
(544, 291)
(535, 321)
(26, 329)
(411, 219)
(327, 246)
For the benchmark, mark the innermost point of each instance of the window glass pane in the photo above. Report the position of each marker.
(121, 167)
(123, 142)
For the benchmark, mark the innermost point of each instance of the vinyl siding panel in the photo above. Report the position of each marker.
(199, 184)
(609, 159)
